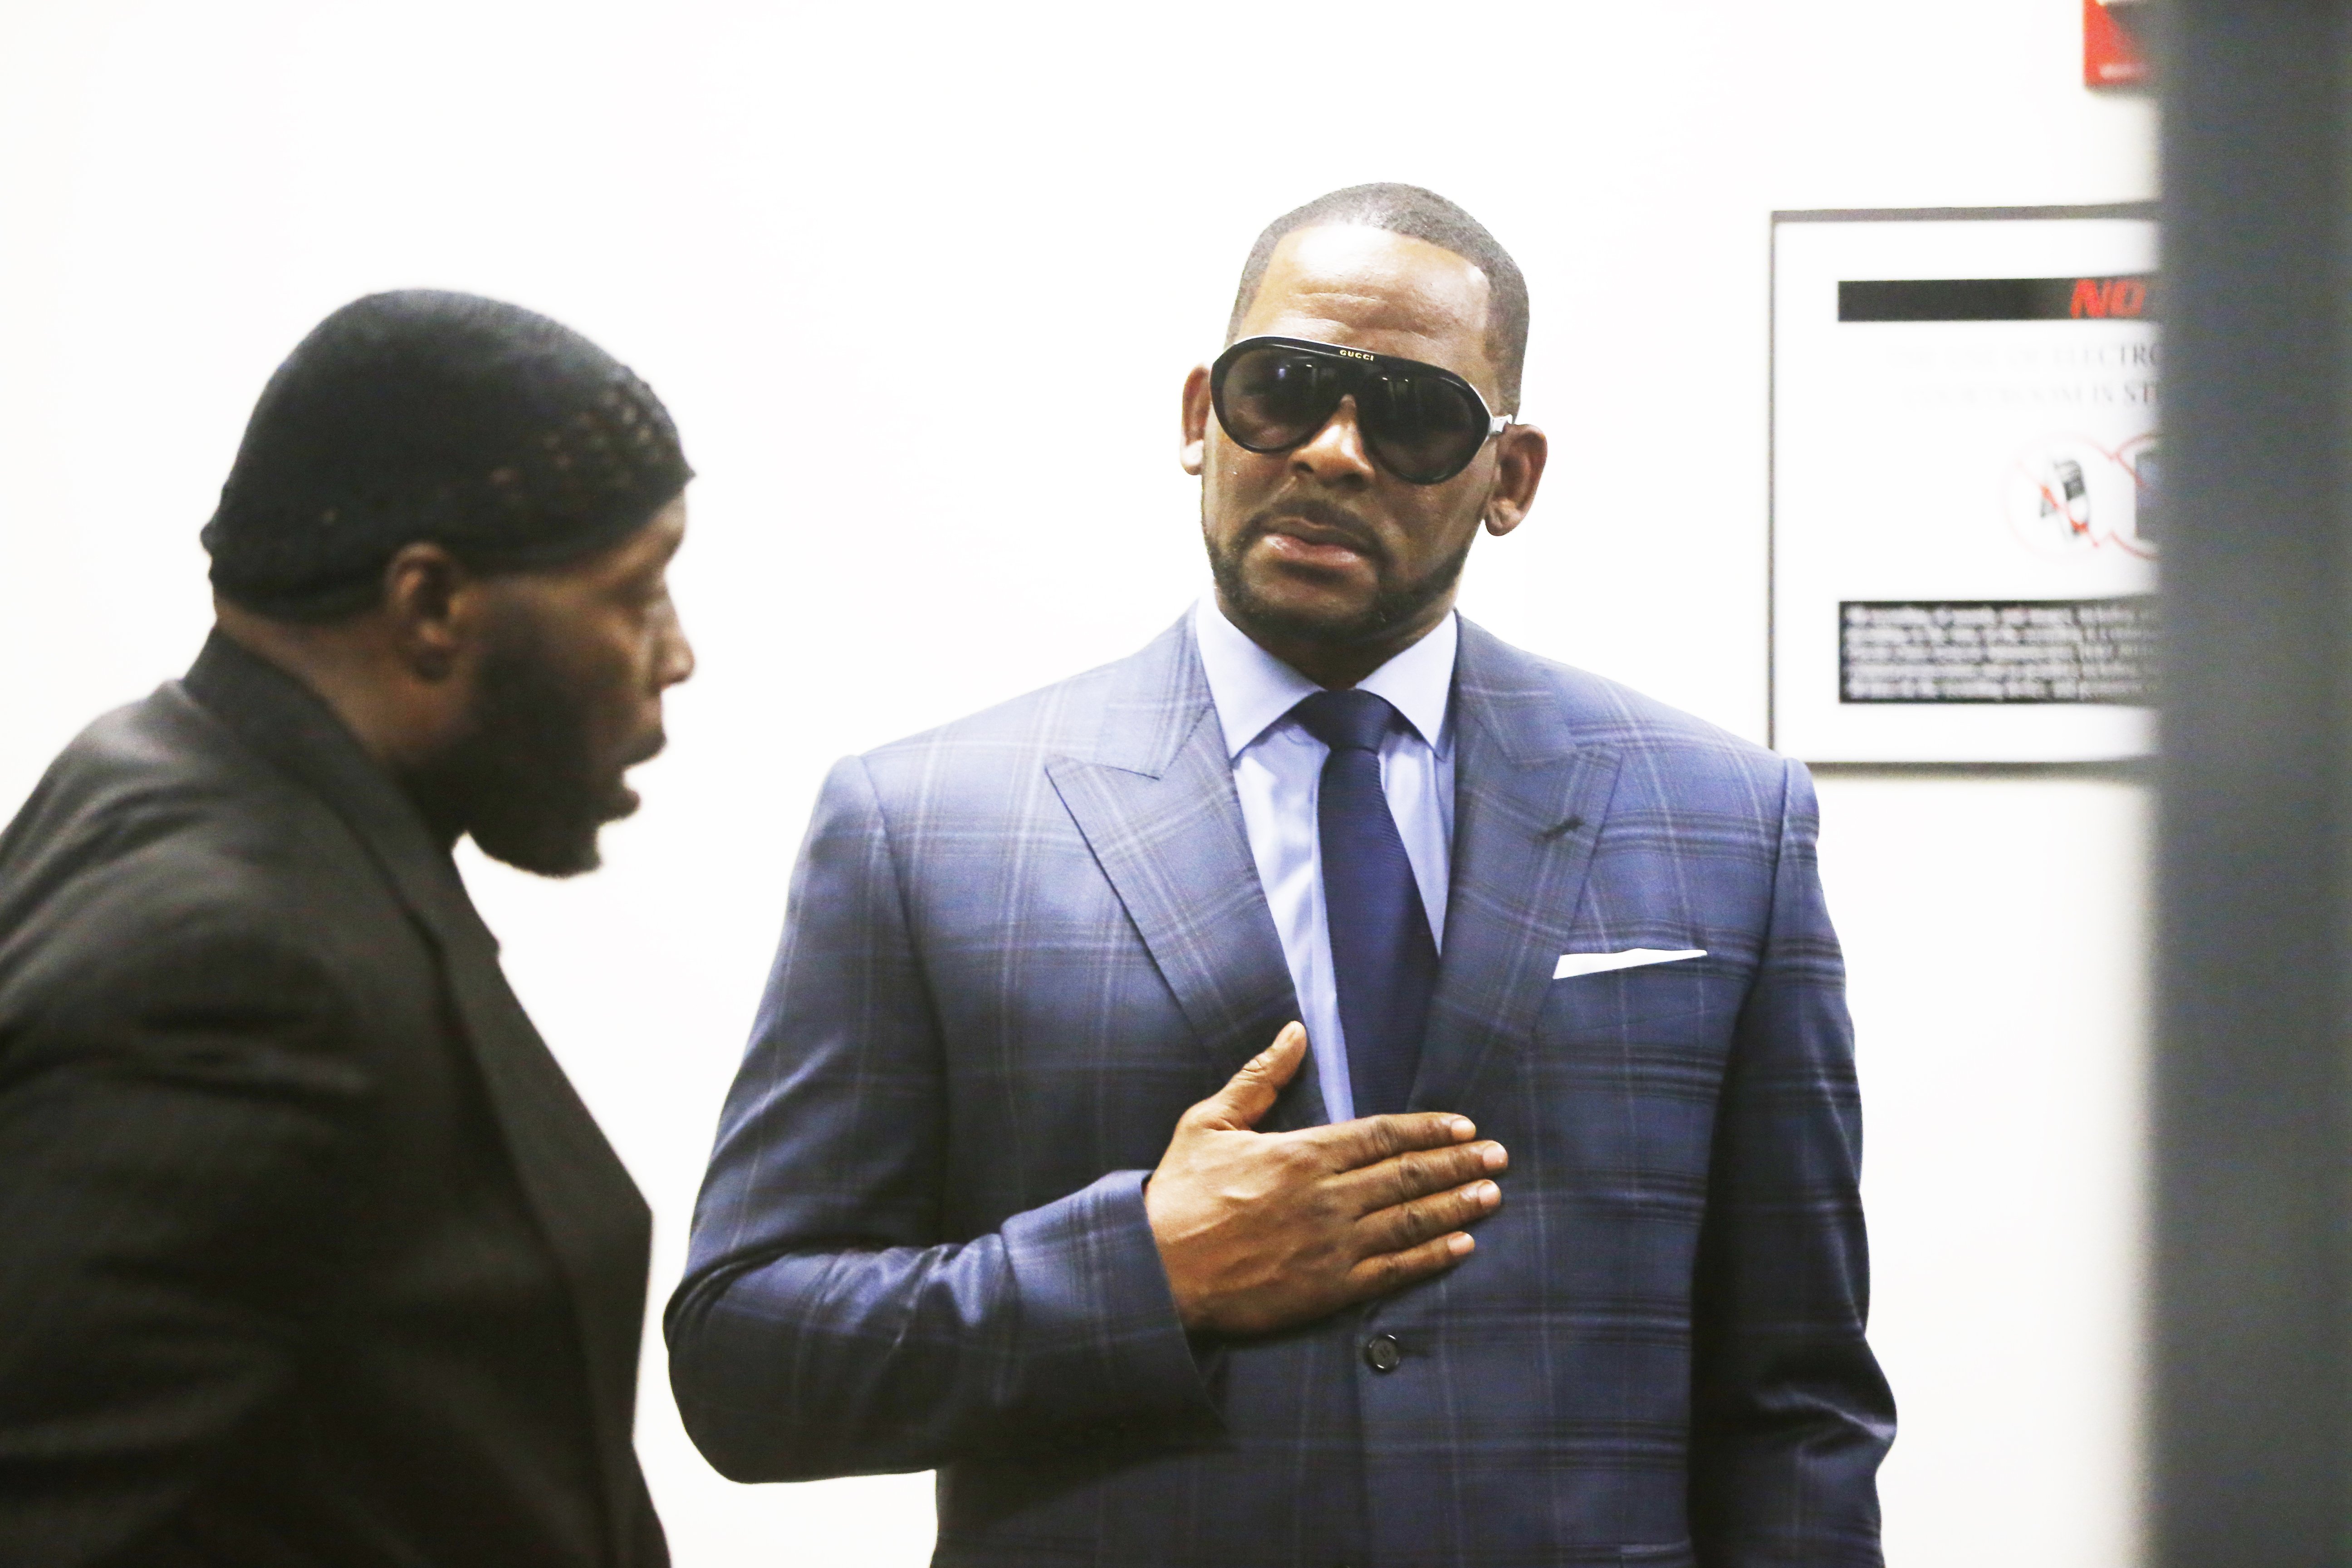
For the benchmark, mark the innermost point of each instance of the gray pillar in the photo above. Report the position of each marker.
(2251, 1457)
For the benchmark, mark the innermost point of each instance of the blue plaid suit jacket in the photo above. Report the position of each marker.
(1017, 948)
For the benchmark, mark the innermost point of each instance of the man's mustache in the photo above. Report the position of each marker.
(1354, 532)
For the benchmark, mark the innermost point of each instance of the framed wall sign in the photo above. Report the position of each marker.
(1965, 461)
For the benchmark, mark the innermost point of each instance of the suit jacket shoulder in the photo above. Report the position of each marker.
(1098, 714)
(155, 845)
(1122, 713)
(1138, 713)
(1505, 682)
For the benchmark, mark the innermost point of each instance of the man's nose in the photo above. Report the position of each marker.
(676, 662)
(1335, 454)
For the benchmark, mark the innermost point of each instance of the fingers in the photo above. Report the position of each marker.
(1372, 1138)
(1407, 1226)
(1390, 1271)
(1403, 1179)
(1249, 1093)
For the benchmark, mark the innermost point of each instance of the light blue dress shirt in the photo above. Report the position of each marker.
(1278, 771)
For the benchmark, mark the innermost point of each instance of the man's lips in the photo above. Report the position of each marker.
(643, 750)
(1316, 544)
(1297, 550)
(620, 800)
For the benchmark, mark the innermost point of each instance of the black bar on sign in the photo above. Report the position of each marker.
(2010, 651)
(2114, 297)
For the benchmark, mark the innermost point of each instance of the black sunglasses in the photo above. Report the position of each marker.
(1422, 423)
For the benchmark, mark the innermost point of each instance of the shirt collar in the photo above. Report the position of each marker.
(1253, 690)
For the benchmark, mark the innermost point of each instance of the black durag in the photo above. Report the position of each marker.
(420, 416)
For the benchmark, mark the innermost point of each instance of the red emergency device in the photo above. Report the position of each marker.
(2113, 55)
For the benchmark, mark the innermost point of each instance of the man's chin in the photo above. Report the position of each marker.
(544, 857)
(1273, 601)
(550, 846)
(1316, 612)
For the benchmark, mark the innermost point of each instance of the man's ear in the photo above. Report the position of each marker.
(428, 609)
(1197, 414)
(1520, 452)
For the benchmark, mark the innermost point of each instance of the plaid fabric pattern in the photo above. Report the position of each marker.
(1018, 947)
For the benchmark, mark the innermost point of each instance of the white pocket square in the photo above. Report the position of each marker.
(1572, 964)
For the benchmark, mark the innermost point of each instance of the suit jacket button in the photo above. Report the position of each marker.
(1382, 1352)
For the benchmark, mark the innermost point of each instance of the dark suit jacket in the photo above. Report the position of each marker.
(1018, 947)
(309, 1253)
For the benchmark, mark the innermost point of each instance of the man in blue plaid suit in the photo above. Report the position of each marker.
(1567, 983)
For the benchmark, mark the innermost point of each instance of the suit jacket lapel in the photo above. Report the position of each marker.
(1156, 806)
(1528, 806)
(577, 1188)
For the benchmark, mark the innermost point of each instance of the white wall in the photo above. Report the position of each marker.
(860, 251)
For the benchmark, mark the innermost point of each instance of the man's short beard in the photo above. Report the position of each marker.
(525, 780)
(1394, 604)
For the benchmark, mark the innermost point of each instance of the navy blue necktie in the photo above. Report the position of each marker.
(1381, 952)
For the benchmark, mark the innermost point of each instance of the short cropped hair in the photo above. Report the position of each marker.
(1418, 215)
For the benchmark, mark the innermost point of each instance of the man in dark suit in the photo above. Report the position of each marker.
(309, 1253)
(947, 1225)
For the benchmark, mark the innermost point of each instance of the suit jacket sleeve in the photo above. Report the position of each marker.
(1791, 1415)
(826, 1326)
(170, 1114)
